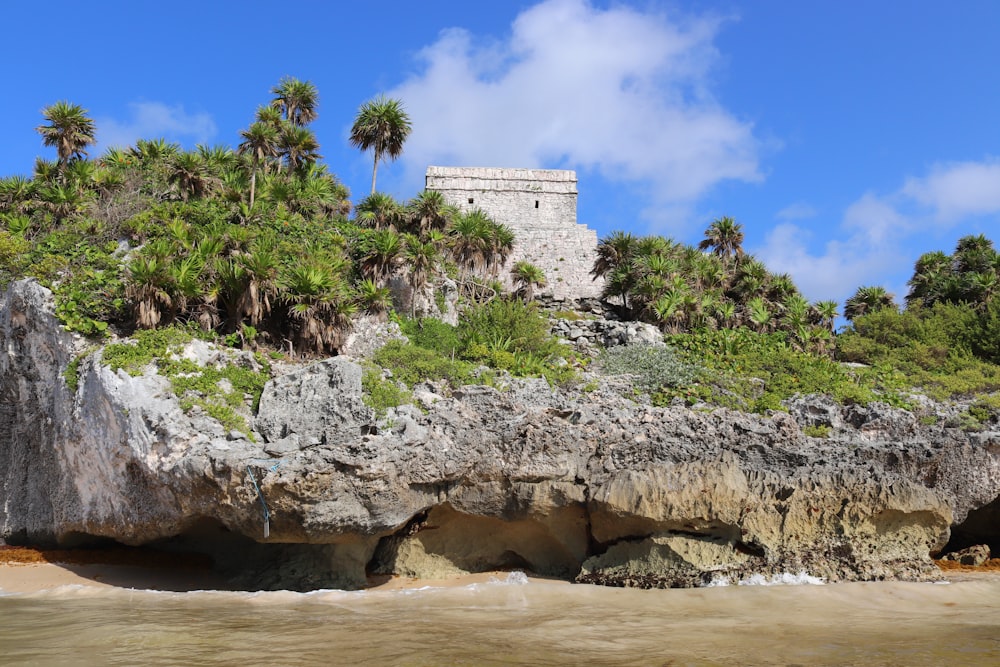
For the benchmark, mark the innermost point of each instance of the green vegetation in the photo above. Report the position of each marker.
(218, 390)
(382, 394)
(502, 334)
(259, 246)
(654, 368)
(755, 372)
(818, 431)
(682, 289)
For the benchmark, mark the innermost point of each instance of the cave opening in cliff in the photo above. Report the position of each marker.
(981, 526)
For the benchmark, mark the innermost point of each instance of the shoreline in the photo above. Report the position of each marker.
(28, 570)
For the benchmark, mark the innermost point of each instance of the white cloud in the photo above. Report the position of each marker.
(835, 270)
(153, 120)
(874, 220)
(796, 211)
(957, 190)
(617, 91)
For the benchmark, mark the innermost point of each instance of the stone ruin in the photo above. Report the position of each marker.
(539, 205)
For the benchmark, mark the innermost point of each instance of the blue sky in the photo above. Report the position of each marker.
(847, 137)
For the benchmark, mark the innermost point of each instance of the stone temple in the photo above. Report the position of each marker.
(539, 205)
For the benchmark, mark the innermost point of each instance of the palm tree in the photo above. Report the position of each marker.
(725, 237)
(154, 150)
(930, 274)
(382, 253)
(501, 244)
(147, 289)
(318, 303)
(70, 130)
(382, 126)
(759, 314)
(421, 259)
(866, 300)
(297, 100)
(527, 277)
(299, 146)
(613, 251)
(15, 191)
(379, 211)
(973, 253)
(429, 211)
(374, 299)
(260, 268)
(189, 174)
(827, 312)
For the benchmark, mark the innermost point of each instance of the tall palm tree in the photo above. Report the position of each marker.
(69, 129)
(296, 100)
(725, 237)
(383, 126)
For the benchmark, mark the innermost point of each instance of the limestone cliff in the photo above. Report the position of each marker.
(587, 486)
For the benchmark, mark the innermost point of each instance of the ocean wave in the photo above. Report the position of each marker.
(781, 579)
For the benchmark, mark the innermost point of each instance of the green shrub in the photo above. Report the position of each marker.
(411, 364)
(750, 371)
(654, 367)
(817, 431)
(509, 335)
(433, 334)
(381, 394)
(945, 349)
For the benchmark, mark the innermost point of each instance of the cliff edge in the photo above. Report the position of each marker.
(580, 485)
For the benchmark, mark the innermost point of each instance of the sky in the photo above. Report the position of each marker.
(848, 137)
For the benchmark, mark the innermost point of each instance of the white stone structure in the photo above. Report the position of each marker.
(539, 205)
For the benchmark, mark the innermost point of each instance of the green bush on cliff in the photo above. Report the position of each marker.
(654, 368)
(942, 349)
(509, 335)
(755, 372)
(411, 364)
(218, 390)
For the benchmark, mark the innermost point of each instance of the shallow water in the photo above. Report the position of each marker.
(512, 621)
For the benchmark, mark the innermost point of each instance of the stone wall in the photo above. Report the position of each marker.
(539, 205)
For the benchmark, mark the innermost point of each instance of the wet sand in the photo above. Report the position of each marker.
(25, 570)
(32, 570)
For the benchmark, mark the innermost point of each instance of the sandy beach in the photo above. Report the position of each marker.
(31, 570)
(25, 570)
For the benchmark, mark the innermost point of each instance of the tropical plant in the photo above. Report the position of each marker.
(527, 277)
(724, 237)
(69, 130)
(260, 142)
(296, 100)
(868, 299)
(382, 126)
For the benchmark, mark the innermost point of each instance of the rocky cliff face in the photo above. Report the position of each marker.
(586, 486)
